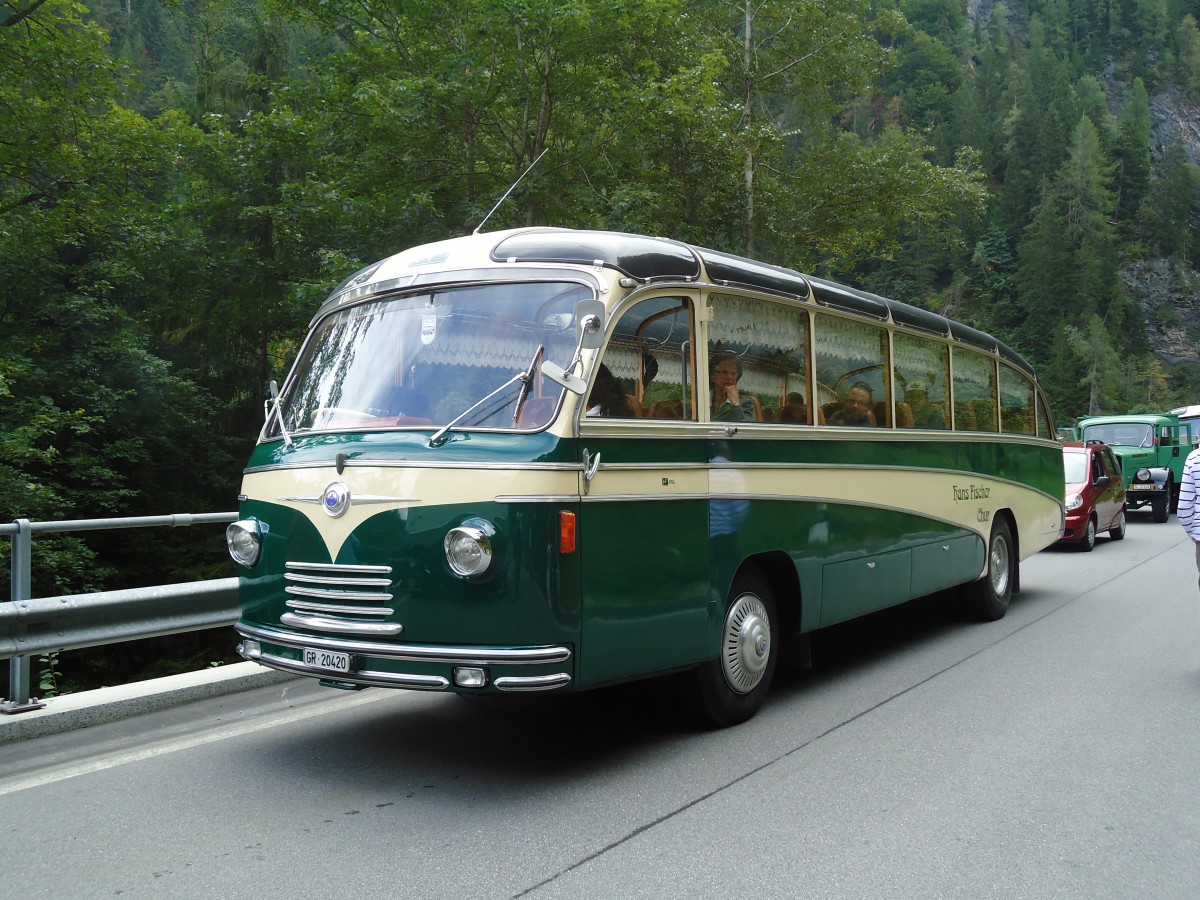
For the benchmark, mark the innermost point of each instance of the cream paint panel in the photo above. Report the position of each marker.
(396, 488)
(962, 499)
(649, 482)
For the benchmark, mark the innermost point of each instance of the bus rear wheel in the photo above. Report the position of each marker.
(730, 689)
(987, 599)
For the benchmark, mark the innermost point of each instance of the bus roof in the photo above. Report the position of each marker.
(652, 259)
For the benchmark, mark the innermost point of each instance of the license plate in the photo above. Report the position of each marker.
(327, 659)
(1141, 487)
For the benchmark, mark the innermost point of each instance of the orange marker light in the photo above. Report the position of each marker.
(566, 532)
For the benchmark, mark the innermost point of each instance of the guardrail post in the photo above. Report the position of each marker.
(22, 589)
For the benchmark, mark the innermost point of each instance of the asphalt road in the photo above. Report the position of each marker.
(1055, 753)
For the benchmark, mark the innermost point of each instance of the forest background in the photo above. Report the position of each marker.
(181, 182)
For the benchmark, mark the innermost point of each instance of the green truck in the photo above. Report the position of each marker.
(1151, 448)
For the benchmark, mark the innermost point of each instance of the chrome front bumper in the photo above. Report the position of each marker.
(424, 657)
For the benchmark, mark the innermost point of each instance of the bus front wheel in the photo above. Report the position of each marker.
(987, 599)
(730, 689)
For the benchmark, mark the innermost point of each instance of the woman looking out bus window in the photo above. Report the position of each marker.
(728, 404)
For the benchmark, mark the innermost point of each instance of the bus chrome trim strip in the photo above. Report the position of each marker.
(355, 499)
(410, 464)
(353, 582)
(461, 656)
(536, 498)
(366, 677)
(337, 609)
(336, 595)
(532, 682)
(340, 626)
(338, 567)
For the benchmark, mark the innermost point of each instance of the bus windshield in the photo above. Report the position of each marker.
(1121, 434)
(422, 360)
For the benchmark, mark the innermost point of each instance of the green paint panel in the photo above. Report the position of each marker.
(522, 604)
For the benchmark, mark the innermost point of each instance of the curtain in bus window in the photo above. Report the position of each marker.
(1016, 402)
(768, 344)
(851, 366)
(650, 358)
(922, 373)
(974, 391)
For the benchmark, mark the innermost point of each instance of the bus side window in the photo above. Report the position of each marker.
(974, 391)
(922, 375)
(768, 342)
(650, 359)
(852, 371)
(1016, 402)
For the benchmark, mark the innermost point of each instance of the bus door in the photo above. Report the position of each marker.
(642, 534)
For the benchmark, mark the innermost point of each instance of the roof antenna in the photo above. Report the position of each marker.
(510, 190)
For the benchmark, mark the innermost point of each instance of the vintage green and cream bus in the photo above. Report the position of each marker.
(549, 460)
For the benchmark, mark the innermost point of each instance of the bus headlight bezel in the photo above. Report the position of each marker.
(243, 539)
(471, 549)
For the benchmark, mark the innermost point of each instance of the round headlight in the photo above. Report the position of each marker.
(469, 549)
(242, 539)
(1143, 475)
(1074, 501)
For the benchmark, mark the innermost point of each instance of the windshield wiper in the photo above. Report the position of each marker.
(528, 382)
(287, 438)
(525, 378)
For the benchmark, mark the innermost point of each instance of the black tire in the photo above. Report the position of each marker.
(1117, 532)
(1087, 543)
(1160, 508)
(1173, 493)
(729, 689)
(987, 599)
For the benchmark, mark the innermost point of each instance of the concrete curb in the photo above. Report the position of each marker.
(109, 704)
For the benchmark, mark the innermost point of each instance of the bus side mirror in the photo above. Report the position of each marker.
(589, 314)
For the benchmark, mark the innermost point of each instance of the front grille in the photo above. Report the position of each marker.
(339, 599)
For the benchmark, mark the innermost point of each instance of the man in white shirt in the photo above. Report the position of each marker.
(1189, 514)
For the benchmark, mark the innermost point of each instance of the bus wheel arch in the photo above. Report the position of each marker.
(987, 598)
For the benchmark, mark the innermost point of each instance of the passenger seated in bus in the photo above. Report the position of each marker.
(666, 409)
(794, 410)
(924, 413)
(607, 398)
(856, 408)
(728, 404)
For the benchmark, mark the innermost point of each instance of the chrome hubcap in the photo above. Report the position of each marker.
(747, 643)
(998, 565)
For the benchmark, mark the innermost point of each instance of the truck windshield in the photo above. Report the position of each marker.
(419, 361)
(1121, 434)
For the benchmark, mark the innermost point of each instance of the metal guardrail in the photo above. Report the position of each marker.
(29, 626)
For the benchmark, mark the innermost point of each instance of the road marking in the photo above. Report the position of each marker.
(230, 731)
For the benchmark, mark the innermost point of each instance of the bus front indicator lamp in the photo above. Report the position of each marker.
(469, 548)
(470, 677)
(244, 542)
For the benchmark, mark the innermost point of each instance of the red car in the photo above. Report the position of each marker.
(1095, 494)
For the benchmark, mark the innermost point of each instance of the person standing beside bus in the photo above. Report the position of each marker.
(1189, 515)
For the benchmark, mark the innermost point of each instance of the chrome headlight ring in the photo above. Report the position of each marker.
(244, 540)
(471, 549)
